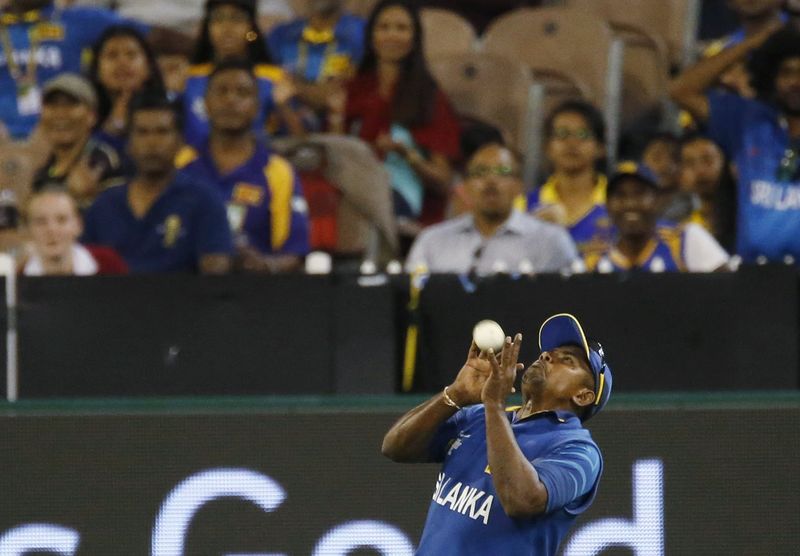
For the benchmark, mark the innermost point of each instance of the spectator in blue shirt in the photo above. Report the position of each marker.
(230, 30)
(161, 221)
(513, 480)
(320, 51)
(760, 136)
(40, 41)
(266, 209)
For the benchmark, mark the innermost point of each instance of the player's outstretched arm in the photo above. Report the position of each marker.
(410, 437)
(519, 489)
(688, 89)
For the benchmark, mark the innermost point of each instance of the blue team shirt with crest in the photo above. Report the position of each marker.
(264, 197)
(185, 223)
(195, 118)
(590, 231)
(665, 252)
(64, 37)
(465, 515)
(319, 60)
(755, 137)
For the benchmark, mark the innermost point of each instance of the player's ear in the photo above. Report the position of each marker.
(583, 398)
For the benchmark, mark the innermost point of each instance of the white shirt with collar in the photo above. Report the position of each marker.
(522, 244)
(83, 264)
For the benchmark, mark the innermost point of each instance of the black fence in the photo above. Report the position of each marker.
(299, 480)
(239, 335)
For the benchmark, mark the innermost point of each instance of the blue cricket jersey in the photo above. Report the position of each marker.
(185, 223)
(589, 231)
(316, 56)
(63, 36)
(665, 252)
(196, 126)
(754, 136)
(465, 516)
(264, 199)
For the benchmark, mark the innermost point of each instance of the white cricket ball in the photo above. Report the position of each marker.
(488, 334)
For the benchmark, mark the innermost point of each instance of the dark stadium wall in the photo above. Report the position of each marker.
(686, 479)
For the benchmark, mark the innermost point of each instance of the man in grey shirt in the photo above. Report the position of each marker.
(494, 237)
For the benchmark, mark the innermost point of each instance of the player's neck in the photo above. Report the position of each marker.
(575, 185)
(632, 246)
(230, 150)
(59, 265)
(487, 225)
(66, 155)
(323, 22)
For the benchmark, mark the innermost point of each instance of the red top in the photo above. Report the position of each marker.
(108, 261)
(365, 104)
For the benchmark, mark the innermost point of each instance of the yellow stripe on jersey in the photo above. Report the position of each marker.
(185, 156)
(266, 71)
(280, 179)
(673, 238)
(201, 70)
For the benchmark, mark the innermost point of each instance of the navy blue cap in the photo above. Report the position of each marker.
(631, 169)
(564, 329)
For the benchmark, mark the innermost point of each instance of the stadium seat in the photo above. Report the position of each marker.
(446, 32)
(564, 42)
(358, 7)
(488, 87)
(675, 21)
(645, 69)
(365, 219)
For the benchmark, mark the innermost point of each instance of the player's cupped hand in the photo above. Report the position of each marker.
(503, 371)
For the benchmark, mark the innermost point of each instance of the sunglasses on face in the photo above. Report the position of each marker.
(563, 133)
(486, 171)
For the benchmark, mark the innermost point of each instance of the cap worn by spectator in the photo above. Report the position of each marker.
(630, 169)
(73, 85)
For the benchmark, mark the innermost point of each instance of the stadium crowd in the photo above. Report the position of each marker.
(185, 137)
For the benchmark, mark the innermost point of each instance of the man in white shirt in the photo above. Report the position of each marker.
(494, 237)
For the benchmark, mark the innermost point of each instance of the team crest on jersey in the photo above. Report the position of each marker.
(456, 444)
(172, 230)
(248, 194)
(47, 32)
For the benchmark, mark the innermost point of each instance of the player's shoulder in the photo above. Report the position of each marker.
(269, 72)
(199, 71)
(288, 31)
(448, 228)
(187, 156)
(84, 13)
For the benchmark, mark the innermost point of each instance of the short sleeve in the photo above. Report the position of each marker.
(298, 241)
(726, 120)
(445, 437)
(213, 234)
(702, 252)
(563, 252)
(570, 474)
(417, 257)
